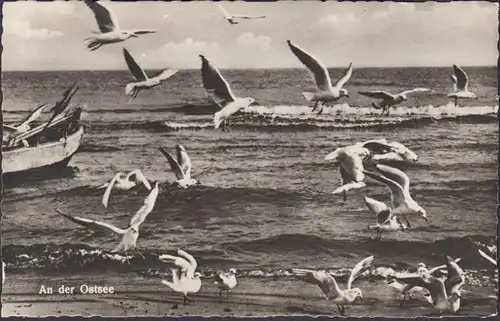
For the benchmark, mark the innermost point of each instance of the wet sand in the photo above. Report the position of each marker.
(138, 296)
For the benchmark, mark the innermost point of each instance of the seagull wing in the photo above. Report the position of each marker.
(461, 76)
(437, 268)
(378, 208)
(107, 193)
(352, 164)
(247, 17)
(142, 31)
(180, 262)
(216, 86)
(455, 278)
(378, 94)
(143, 212)
(192, 262)
(323, 279)
(33, 116)
(224, 11)
(317, 69)
(396, 175)
(378, 147)
(397, 192)
(139, 177)
(134, 68)
(165, 74)
(486, 256)
(86, 222)
(358, 269)
(185, 162)
(347, 75)
(106, 19)
(176, 168)
(406, 92)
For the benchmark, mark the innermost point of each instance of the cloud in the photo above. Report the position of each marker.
(248, 39)
(184, 54)
(334, 20)
(23, 29)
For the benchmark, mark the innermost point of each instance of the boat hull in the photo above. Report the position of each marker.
(48, 155)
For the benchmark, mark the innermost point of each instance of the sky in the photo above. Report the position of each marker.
(50, 35)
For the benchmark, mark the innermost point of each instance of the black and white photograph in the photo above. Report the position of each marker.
(249, 159)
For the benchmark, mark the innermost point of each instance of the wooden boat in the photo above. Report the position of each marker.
(43, 146)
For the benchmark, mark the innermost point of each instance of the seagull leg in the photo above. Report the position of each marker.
(321, 109)
(126, 257)
(315, 105)
(342, 313)
(220, 295)
(185, 300)
(140, 253)
(227, 294)
(345, 196)
(456, 102)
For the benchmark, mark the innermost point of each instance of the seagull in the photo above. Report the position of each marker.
(325, 91)
(110, 31)
(185, 279)
(124, 182)
(131, 233)
(399, 185)
(62, 104)
(226, 281)
(220, 92)
(399, 152)
(350, 167)
(386, 220)
(446, 294)
(232, 18)
(181, 167)
(331, 290)
(407, 291)
(142, 80)
(24, 125)
(460, 82)
(389, 99)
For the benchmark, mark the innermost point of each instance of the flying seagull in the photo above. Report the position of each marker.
(233, 18)
(110, 31)
(325, 93)
(185, 279)
(124, 182)
(328, 285)
(460, 83)
(386, 220)
(220, 92)
(131, 233)
(389, 99)
(142, 79)
(351, 171)
(399, 185)
(181, 167)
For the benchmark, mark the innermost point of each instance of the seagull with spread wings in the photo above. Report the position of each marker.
(181, 167)
(399, 185)
(445, 295)
(460, 84)
(233, 18)
(325, 93)
(386, 220)
(110, 31)
(351, 171)
(220, 92)
(124, 182)
(185, 279)
(142, 79)
(329, 286)
(396, 152)
(129, 234)
(389, 99)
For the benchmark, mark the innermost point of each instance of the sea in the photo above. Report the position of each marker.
(264, 202)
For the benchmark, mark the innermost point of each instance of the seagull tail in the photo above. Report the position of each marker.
(129, 89)
(300, 272)
(169, 284)
(217, 119)
(167, 258)
(309, 96)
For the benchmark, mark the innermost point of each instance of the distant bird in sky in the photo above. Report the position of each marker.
(142, 79)
(460, 84)
(389, 99)
(110, 31)
(233, 18)
(220, 92)
(325, 93)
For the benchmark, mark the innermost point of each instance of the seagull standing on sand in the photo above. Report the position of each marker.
(325, 91)
(131, 233)
(220, 92)
(142, 80)
(399, 185)
(331, 290)
(124, 182)
(110, 31)
(226, 281)
(185, 279)
(460, 84)
(181, 167)
(445, 295)
(233, 18)
(386, 220)
(350, 167)
(389, 99)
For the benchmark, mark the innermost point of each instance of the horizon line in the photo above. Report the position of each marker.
(247, 68)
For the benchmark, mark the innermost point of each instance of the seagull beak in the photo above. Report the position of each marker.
(426, 219)
(361, 297)
(254, 104)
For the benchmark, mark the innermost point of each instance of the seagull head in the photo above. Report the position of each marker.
(251, 101)
(344, 92)
(357, 292)
(197, 275)
(232, 270)
(474, 96)
(421, 266)
(180, 148)
(423, 214)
